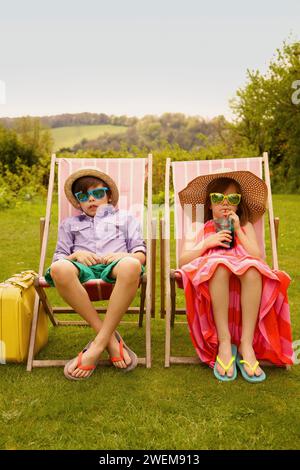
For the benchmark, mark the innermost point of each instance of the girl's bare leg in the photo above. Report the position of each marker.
(219, 292)
(251, 290)
(127, 273)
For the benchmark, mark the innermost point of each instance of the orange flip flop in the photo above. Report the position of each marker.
(132, 355)
(79, 366)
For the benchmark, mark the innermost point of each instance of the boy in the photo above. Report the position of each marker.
(103, 242)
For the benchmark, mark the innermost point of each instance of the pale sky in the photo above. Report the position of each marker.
(135, 57)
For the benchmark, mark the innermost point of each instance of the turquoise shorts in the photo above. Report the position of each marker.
(86, 273)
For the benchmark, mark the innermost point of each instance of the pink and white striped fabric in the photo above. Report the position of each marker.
(128, 173)
(186, 171)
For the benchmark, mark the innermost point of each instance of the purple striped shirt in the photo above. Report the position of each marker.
(110, 230)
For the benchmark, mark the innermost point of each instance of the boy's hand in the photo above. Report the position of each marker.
(110, 257)
(86, 257)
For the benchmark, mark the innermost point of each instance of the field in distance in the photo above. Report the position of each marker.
(71, 135)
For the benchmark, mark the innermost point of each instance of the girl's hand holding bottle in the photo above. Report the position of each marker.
(236, 220)
(218, 239)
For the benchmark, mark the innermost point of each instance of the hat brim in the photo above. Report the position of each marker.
(254, 191)
(90, 172)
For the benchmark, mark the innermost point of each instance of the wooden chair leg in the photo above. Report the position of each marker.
(46, 304)
(42, 229)
(173, 301)
(142, 304)
(33, 333)
(162, 269)
(276, 223)
(153, 268)
(148, 336)
(168, 330)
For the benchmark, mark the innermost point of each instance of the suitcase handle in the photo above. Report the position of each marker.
(23, 279)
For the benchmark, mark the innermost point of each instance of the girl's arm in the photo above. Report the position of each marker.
(192, 250)
(248, 240)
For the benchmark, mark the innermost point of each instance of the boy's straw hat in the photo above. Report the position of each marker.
(90, 172)
(254, 190)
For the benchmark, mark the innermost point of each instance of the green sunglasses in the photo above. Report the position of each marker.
(98, 193)
(233, 199)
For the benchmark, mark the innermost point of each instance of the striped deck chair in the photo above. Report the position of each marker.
(130, 175)
(183, 173)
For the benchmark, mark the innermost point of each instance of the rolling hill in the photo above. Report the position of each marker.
(71, 135)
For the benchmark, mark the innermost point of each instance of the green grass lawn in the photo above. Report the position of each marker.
(70, 135)
(183, 407)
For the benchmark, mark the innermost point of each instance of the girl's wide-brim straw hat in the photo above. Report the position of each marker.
(90, 172)
(254, 190)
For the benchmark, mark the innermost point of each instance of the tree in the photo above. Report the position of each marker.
(28, 145)
(269, 118)
(10, 148)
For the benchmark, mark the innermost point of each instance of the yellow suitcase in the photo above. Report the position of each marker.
(16, 310)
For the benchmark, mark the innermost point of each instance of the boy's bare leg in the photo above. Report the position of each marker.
(65, 276)
(251, 290)
(219, 292)
(127, 273)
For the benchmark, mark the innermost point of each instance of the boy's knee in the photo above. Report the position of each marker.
(62, 270)
(129, 268)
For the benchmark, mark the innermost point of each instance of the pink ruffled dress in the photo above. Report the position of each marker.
(273, 337)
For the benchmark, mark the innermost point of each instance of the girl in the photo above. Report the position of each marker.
(233, 298)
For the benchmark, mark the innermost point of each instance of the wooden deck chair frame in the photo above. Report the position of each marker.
(168, 281)
(147, 285)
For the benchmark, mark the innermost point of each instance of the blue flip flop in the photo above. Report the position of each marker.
(254, 378)
(225, 378)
